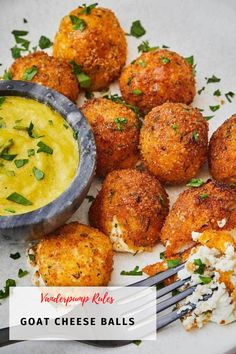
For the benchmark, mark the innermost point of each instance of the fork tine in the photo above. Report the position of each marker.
(167, 289)
(167, 319)
(158, 278)
(174, 299)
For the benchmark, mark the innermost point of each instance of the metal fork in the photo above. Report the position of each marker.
(162, 321)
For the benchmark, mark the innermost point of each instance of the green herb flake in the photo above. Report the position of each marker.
(75, 135)
(65, 126)
(195, 136)
(162, 255)
(190, 60)
(84, 80)
(19, 199)
(38, 174)
(229, 95)
(217, 93)
(2, 100)
(7, 75)
(200, 91)
(22, 273)
(204, 196)
(172, 263)
(208, 117)
(120, 123)
(87, 9)
(214, 108)
(5, 292)
(2, 123)
(7, 157)
(24, 20)
(19, 33)
(31, 257)
(50, 122)
(164, 60)
(15, 255)
(212, 79)
(195, 182)
(30, 152)
(90, 198)
(205, 280)
(44, 148)
(133, 272)
(30, 73)
(137, 92)
(142, 63)
(137, 342)
(16, 52)
(78, 23)
(31, 133)
(200, 266)
(89, 95)
(44, 42)
(9, 210)
(137, 30)
(175, 127)
(145, 47)
(21, 162)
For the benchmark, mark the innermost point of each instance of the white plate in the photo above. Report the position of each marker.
(205, 29)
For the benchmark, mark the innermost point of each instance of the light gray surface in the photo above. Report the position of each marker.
(205, 28)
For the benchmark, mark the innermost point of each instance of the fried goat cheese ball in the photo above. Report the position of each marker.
(211, 206)
(116, 132)
(173, 142)
(131, 208)
(156, 77)
(222, 152)
(94, 40)
(75, 255)
(46, 70)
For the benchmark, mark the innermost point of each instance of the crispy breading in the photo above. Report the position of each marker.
(52, 72)
(217, 239)
(116, 132)
(173, 142)
(222, 152)
(100, 48)
(160, 76)
(196, 210)
(75, 255)
(131, 208)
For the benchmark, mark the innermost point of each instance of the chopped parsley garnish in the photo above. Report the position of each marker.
(2, 123)
(7, 75)
(172, 263)
(44, 42)
(4, 151)
(145, 47)
(120, 123)
(19, 199)
(134, 272)
(119, 99)
(203, 195)
(137, 29)
(137, 92)
(84, 80)
(16, 52)
(229, 95)
(44, 148)
(2, 100)
(195, 182)
(31, 257)
(129, 81)
(20, 163)
(212, 79)
(22, 273)
(190, 60)
(50, 122)
(174, 127)
(20, 127)
(195, 136)
(142, 63)
(19, 33)
(162, 255)
(75, 135)
(65, 126)
(89, 95)
(30, 73)
(24, 20)
(164, 60)
(78, 23)
(30, 152)
(205, 280)
(31, 133)
(200, 266)
(208, 117)
(137, 342)
(214, 108)
(200, 91)
(87, 9)
(5, 292)
(217, 93)
(9, 210)
(15, 255)
(90, 198)
(38, 174)
(24, 43)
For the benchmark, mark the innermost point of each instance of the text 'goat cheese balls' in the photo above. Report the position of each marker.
(43, 69)
(75, 255)
(131, 208)
(173, 142)
(116, 133)
(93, 39)
(211, 206)
(157, 77)
(222, 152)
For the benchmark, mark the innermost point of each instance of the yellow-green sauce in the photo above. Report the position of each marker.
(38, 155)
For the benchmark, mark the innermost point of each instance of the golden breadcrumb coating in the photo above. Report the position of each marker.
(51, 72)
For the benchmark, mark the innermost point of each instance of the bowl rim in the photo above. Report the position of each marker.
(86, 145)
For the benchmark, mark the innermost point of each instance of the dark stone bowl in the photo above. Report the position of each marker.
(33, 225)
